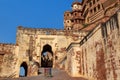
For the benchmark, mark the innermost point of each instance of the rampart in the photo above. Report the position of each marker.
(97, 56)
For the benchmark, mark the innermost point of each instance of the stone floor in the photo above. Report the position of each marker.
(57, 75)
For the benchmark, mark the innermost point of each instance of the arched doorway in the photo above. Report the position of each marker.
(23, 69)
(46, 48)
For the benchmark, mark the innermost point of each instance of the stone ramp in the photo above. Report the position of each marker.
(57, 75)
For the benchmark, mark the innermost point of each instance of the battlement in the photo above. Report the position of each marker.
(6, 48)
(44, 31)
(41, 31)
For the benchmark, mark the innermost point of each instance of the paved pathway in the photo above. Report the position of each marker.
(57, 75)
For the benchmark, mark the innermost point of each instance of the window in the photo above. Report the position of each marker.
(95, 9)
(68, 21)
(67, 14)
(75, 14)
(98, 6)
(90, 4)
(93, 1)
(69, 28)
(72, 21)
(91, 11)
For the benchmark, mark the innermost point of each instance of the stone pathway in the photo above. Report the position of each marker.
(57, 75)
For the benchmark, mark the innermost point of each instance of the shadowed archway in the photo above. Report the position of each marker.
(46, 48)
(23, 69)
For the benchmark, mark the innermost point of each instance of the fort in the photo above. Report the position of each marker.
(88, 46)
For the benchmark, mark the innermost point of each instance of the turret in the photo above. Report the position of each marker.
(73, 19)
(67, 20)
(77, 18)
(76, 6)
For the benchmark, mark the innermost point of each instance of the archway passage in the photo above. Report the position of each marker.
(46, 48)
(23, 70)
(45, 62)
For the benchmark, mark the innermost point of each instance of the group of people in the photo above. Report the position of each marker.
(47, 63)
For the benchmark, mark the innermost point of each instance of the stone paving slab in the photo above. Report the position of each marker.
(57, 75)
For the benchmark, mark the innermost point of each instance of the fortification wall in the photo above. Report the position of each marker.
(7, 48)
(98, 56)
(32, 40)
(8, 60)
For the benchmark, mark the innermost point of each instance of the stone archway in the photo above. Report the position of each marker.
(23, 69)
(46, 48)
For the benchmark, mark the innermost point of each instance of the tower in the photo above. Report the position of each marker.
(73, 20)
(77, 18)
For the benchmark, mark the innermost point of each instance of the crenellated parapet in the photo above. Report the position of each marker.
(24, 32)
(7, 48)
(8, 59)
(41, 31)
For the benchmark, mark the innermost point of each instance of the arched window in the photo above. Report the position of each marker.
(68, 21)
(67, 14)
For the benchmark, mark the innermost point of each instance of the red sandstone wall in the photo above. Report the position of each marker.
(103, 48)
(100, 55)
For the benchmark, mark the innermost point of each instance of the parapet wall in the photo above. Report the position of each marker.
(8, 59)
(40, 31)
(7, 48)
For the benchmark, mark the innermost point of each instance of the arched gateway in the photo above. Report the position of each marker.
(23, 69)
(46, 48)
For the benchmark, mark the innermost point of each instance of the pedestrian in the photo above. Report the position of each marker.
(49, 63)
(44, 63)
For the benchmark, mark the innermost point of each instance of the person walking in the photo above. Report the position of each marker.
(49, 63)
(44, 63)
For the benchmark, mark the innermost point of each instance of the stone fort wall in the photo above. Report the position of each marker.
(8, 60)
(27, 50)
(97, 56)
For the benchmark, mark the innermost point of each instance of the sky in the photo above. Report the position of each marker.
(32, 14)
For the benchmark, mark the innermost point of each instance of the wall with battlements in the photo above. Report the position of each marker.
(31, 41)
(28, 48)
(85, 54)
(29, 45)
(8, 60)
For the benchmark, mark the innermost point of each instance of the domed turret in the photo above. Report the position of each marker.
(76, 6)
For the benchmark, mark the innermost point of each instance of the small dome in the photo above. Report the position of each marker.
(76, 2)
(76, 6)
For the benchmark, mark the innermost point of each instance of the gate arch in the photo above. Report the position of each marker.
(46, 48)
(23, 69)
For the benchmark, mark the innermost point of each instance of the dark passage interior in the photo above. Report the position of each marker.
(23, 70)
(46, 48)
